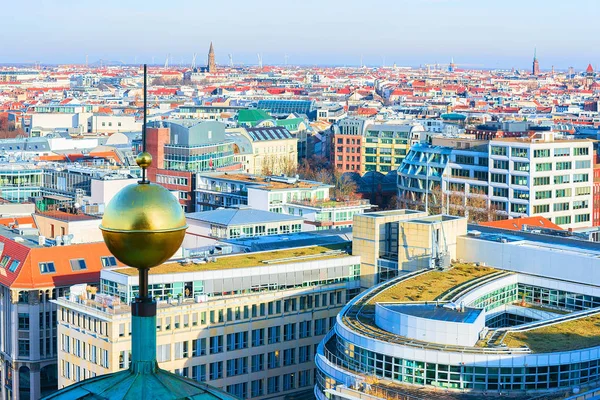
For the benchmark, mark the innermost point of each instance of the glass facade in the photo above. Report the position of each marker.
(18, 185)
(198, 158)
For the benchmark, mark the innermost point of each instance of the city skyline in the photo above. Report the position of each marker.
(410, 33)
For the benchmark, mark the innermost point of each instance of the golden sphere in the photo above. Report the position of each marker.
(143, 225)
(144, 159)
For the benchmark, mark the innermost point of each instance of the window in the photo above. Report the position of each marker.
(582, 191)
(498, 178)
(563, 165)
(237, 341)
(14, 264)
(583, 164)
(562, 152)
(258, 337)
(581, 151)
(562, 220)
(543, 208)
(561, 207)
(519, 152)
(237, 366)
(78, 264)
(518, 208)
(304, 378)
(582, 218)
(541, 167)
(273, 360)
(500, 164)
(579, 204)
(500, 192)
(273, 385)
(320, 326)
(518, 180)
(256, 388)
(305, 329)
(304, 354)
(23, 321)
(199, 373)
(23, 348)
(559, 179)
(182, 350)
(541, 153)
(4, 261)
(289, 382)
(289, 357)
(521, 166)
(289, 332)
(563, 193)
(47, 267)
(522, 194)
(199, 347)
(541, 181)
(216, 370)
(577, 178)
(498, 151)
(216, 344)
(543, 194)
(258, 362)
(480, 175)
(163, 352)
(108, 261)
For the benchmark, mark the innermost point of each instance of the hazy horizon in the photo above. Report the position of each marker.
(480, 35)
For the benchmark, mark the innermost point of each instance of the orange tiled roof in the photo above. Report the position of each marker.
(516, 224)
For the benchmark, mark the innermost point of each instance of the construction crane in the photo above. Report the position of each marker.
(260, 64)
(230, 60)
(167, 61)
(193, 66)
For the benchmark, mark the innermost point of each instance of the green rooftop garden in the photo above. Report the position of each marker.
(428, 286)
(571, 335)
(247, 260)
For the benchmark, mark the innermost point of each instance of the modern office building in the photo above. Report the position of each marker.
(401, 241)
(309, 200)
(182, 148)
(540, 175)
(20, 182)
(246, 323)
(507, 319)
(386, 145)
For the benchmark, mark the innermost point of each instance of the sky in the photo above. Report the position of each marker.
(476, 33)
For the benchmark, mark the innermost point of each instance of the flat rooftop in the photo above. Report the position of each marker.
(428, 286)
(436, 312)
(263, 183)
(570, 335)
(247, 260)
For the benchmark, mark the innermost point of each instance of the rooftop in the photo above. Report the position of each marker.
(268, 183)
(240, 216)
(570, 335)
(435, 312)
(246, 260)
(428, 286)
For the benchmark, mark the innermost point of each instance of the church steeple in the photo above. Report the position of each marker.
(212, 66)
(536, 65)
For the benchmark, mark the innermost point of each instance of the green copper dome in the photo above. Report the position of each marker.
(129, 385)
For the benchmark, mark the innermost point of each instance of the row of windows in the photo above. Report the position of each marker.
(78, 264)
(85, 351)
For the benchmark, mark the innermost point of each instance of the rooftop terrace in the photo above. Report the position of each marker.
(246, 260)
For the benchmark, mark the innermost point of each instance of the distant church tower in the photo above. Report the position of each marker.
(589, 76)
(212, 66)
(536, 64)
